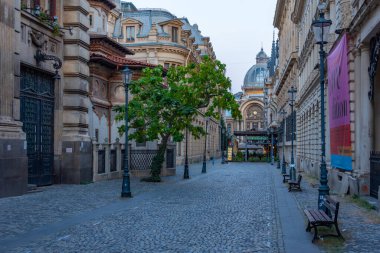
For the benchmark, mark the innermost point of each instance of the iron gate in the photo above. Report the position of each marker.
(37, 115)
(375, 173)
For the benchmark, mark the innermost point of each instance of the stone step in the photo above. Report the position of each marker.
(33, 188)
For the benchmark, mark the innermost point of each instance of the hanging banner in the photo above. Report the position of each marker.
(339, 107)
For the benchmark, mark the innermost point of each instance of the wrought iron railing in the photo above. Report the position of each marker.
(141, 159)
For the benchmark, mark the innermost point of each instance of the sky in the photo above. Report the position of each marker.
(237, 29)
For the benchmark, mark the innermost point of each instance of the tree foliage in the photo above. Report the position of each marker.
(162, 107)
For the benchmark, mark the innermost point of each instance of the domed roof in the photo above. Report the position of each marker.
(261, 54)
(257, 73)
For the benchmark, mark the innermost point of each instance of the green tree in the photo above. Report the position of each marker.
(162, 107)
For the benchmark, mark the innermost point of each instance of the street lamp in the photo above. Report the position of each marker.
(292, 171)
(271, 148)
(204, 151)
(126, 187)
(283, 169)
(186, 170)
(321, 28)
(223, 140)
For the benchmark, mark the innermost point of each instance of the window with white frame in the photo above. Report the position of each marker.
(174, 34)
(130, 33)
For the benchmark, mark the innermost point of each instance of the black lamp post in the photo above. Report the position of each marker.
(283, 168)
(186, 170)
(223, 140)
(278, 150)
(321, 28)
(204, 170)
(126, 187)
(271, 147)
(292, 171)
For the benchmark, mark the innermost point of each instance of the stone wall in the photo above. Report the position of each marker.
(13, 159)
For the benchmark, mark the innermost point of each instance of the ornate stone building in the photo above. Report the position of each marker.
(299, 65)
(287, 71)
(251, 100)
(44, 79)
(362, 21)
(156, 36)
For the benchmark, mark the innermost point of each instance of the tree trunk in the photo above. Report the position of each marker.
(158, 159)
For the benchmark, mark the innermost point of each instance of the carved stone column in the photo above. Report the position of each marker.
(13, 159)
(76, 142)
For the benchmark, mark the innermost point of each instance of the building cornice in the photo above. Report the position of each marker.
(115, 61)
(278, 13)
(306, 50)
(104, 42)
(297, 11)
(362, 14)
(290, 63)
(106, 5)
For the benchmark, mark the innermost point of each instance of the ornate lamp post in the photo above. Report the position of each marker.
(223, 140)
(292, 171)
(271, 146)
(204, 170)
(126, 187)
(186, 170)
(321, 28)
(283, 168)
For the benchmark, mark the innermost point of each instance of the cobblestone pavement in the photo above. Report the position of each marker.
(360, 227)
(229, 209)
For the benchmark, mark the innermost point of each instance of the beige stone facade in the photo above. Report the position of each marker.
(169, 41)
(360, 21)
(287, 69)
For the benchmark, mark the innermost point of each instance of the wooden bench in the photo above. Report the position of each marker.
(286, 178)
(295, 185)
(318, 218)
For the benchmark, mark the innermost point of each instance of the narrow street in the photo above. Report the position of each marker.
(237, 207)
(232, 208)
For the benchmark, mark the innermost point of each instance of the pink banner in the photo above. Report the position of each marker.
(339, 106)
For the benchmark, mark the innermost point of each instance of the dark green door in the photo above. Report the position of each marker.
(37, 115)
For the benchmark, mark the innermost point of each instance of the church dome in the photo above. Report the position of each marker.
(261, 54)
(256, 75)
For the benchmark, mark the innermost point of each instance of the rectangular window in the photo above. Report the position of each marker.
(97, 135)
(91, 21)
(130, 33)
(174, 34)
(166, 65)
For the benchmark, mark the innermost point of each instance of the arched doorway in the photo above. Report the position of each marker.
(254, 117)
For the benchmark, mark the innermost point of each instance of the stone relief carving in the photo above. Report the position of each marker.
(38, 39)
(119, 93)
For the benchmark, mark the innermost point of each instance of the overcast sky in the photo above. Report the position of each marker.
(237, 29)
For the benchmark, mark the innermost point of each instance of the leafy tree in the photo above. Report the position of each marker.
(162, 107)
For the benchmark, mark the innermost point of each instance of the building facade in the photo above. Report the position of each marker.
(286, 75)
(156, 36)
(359, 22)
(253, 104)
(64, 79)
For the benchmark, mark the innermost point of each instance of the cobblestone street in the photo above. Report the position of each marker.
(232, 208)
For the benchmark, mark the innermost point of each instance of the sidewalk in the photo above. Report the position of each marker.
(360, 226)
(291, 218)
